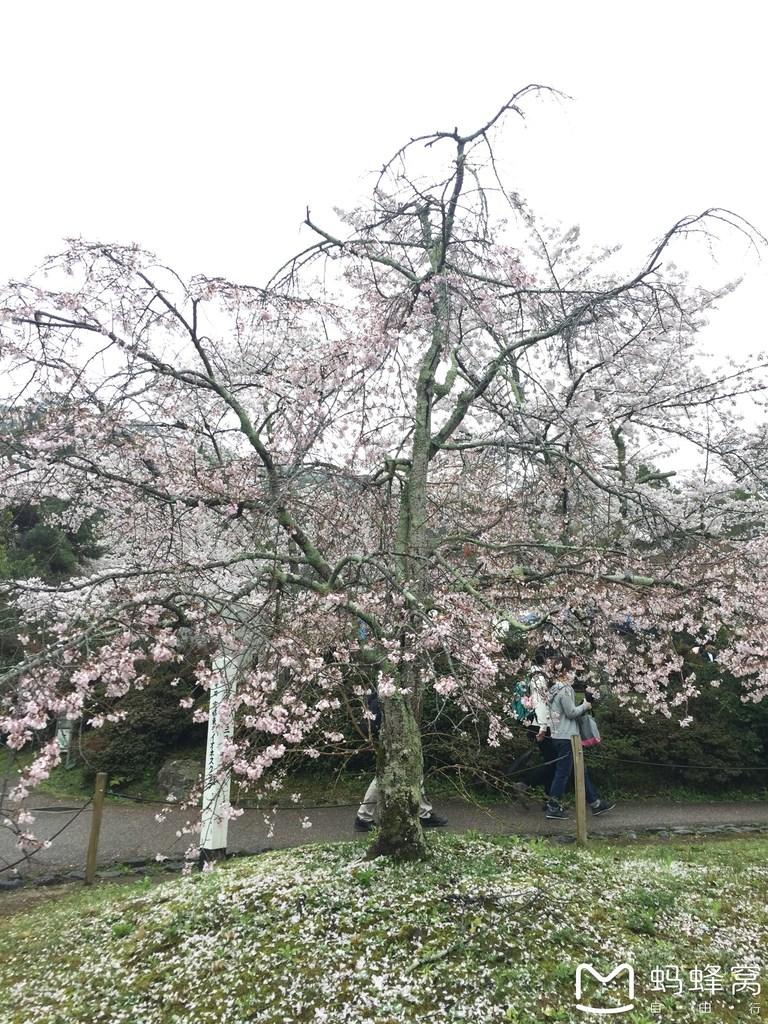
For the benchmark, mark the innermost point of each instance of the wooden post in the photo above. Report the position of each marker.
(93, 840)
(581, 799)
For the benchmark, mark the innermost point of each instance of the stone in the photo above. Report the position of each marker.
(663, 834)
(178, 776)
(630, 835)
(10, 883)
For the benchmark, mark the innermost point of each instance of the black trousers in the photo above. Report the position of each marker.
(541, 774)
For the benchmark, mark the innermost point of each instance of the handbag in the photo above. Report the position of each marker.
(590, 734)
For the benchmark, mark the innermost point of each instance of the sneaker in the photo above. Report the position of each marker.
(556, 811)
(601, 806)
(433, 821)
(361, 825)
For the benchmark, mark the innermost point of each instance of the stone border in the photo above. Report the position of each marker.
(150, 866)
(112, 872)
(671, 832)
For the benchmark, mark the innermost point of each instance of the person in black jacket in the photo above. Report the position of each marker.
(532, 712)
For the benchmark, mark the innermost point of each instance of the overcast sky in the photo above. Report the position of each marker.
(203, 130)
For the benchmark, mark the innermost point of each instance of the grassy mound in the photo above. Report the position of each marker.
(489, 929)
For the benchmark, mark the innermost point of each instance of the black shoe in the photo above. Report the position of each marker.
(556, 811)
(602, 806)
(363, 826)
(433, 821)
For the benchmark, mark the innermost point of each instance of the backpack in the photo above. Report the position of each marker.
(372, 726)
(522, 705)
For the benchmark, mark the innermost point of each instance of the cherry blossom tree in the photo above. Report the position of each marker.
(440, 435)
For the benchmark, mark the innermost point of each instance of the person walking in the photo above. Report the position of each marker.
(367, 816)
(564, 715)
(368, 811)
(540, 723)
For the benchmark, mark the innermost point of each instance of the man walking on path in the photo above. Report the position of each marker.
(368, 811)
(367, 814)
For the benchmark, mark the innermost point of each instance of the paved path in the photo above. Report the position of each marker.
(130, 832)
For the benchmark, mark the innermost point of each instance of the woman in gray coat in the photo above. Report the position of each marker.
(564, 715)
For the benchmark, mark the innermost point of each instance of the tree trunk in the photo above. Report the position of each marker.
(399, 772)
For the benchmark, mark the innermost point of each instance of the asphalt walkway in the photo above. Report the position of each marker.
(130, 831)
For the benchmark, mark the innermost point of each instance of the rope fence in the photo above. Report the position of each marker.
(28, 856)
(704, 767)
(594, 757)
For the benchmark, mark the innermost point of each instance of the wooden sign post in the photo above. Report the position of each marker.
(581, 799)
(93, 840)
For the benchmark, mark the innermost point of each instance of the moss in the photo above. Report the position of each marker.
(485, 929)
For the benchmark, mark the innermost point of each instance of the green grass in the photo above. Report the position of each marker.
(488, 930)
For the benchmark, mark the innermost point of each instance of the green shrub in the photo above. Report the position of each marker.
(725, 733)
(155, 725)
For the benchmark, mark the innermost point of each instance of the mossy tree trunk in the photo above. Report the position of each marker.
(399, 773)
(401, 763)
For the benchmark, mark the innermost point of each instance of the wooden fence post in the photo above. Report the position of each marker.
(581, 799)
(93, 840)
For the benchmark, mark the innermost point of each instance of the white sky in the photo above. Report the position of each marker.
(202, 131)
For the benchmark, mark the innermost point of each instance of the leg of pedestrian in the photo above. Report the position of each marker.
(427, 816)
(367, 812)
(563, 769)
